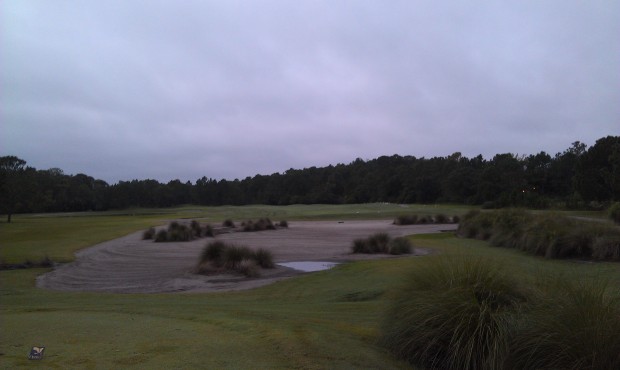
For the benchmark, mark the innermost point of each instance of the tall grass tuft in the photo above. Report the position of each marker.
(378, 243)
(208, 231)
(614, 212)
(400, 246)
(148, 234)
(161, 236)
(550, 235)
(264, 258)
(218, 256)
(606, 247)
(213, 253)
(453, 313)
(382, 243)
(573, 325)
(476, 224)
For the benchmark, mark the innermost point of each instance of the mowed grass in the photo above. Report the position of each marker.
(330, 319)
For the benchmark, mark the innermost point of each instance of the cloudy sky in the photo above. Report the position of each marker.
(135, 89)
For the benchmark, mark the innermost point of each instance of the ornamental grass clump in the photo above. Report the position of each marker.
(400, 246)
(218, 257)
(260, 225)
(614, 212)
(453, 313)
(381, 243)
(148, 233)
(550, 235)
(570, 325)
(476, 224)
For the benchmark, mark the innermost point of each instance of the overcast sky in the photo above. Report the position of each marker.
(132, 89)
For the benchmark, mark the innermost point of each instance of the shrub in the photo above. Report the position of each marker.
(406, 220)
(378, 243)
(360, 246)
(441, 219)
(228, 223)
(425, 220)
(264, 258)
(232, 256)
(213, 253)
(508, 227)
(260, 225)
(606, 247)
(208, 231)
(218, 255)
(249, 268)
(574, 325)
(453, 313)
(283, 223)
(179, 233)
(456, 219)
(148, 234)
(476, 224)
(196, 228)
(550, 235)
(161, 236)
(614, 212)
(400, 246)
(542, 234)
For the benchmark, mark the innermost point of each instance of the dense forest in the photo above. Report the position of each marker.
(576, 178)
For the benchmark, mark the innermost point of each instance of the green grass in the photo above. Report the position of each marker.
(329, 319)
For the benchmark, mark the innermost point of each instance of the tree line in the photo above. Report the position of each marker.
(575, 178)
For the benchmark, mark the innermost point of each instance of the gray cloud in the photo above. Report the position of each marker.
(154, 89)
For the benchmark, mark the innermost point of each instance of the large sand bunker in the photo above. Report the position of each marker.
(132, 265)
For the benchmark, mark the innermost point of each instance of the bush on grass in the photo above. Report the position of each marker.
(453, 313)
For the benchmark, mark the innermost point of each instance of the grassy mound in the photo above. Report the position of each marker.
(220, 257)
(549, 235)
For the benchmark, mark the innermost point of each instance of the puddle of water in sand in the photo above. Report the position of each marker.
(309, 266)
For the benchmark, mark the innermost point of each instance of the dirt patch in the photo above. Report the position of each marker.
(132, 265)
